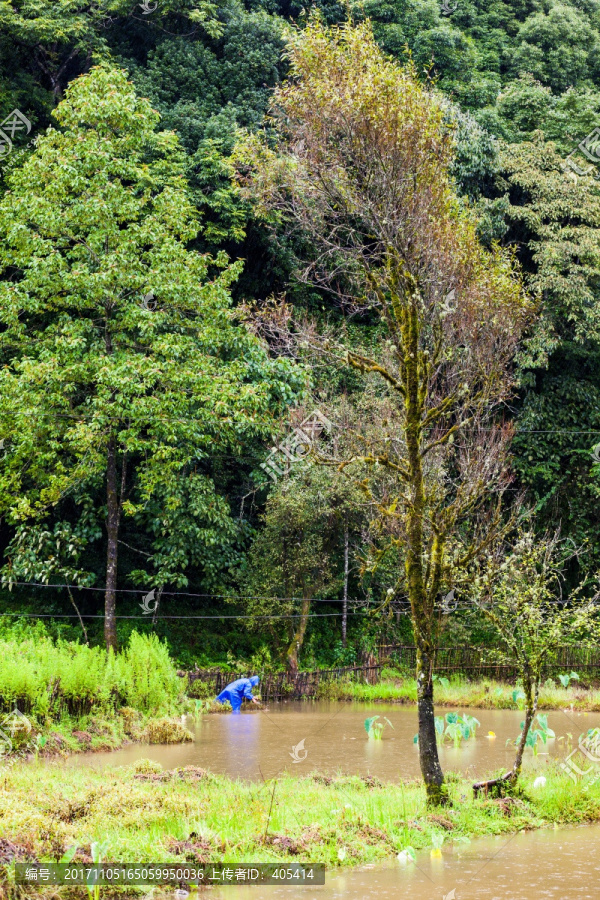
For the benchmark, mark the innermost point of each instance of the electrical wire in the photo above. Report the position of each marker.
(147, 619)
(175, 594)
(165, 593)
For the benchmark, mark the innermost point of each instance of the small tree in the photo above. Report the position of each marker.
(301, 552)
(518, 590)
(361, 169)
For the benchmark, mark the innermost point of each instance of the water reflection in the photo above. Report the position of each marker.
(242, 738)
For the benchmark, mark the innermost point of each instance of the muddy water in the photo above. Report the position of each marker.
(259, 744)
(562, 864)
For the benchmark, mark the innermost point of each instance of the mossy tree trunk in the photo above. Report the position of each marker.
(429, 760)
(531, 691)
(424, 552)
(112, 534)
(498, 786)
(298, 639)
(414, 375)
(345, 597)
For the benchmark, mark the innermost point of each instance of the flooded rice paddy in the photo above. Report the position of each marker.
(560, 864)
(330, 737)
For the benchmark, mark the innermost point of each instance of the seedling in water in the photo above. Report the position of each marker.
(98, 850)
(374, 728)
(407, 855)
(592, 739)
(518, 696)
(437, 841)
(536, 735)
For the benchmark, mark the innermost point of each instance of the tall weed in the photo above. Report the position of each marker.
(47, 677)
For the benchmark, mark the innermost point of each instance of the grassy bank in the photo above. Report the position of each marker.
(96, 733)
(395, 687)
(146, 815)
(49, 678)
(75, 697)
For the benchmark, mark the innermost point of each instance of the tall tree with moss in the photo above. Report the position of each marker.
(361, 167)
(124, 368)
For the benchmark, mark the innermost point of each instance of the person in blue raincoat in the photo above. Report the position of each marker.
(239, 690)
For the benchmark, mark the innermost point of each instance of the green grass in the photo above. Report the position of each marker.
(80, 698)
(147, 815)
(396, 687)
(49, 678)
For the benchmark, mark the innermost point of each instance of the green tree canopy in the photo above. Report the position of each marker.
(124, 367)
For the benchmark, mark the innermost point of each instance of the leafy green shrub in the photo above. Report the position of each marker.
(200, 690)
(131, 719)
(261, 660)
(147, 675)
(389, 673)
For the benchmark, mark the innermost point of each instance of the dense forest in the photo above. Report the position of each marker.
(135, 458)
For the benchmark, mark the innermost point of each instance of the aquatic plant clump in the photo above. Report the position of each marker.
(166, 731)
(454, 727)
(536, 735)
(375, 729)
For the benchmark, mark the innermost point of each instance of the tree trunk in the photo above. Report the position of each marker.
(531, 699)
(415, 380)
(345, 603)
(155, 613)
(112, 530)
(499, 785)
(83, 628)
(298, 639)
(428, 749)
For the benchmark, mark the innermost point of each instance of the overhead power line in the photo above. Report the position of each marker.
(148, 618)
(166, 593)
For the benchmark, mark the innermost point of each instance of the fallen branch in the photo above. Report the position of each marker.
(494, 784)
